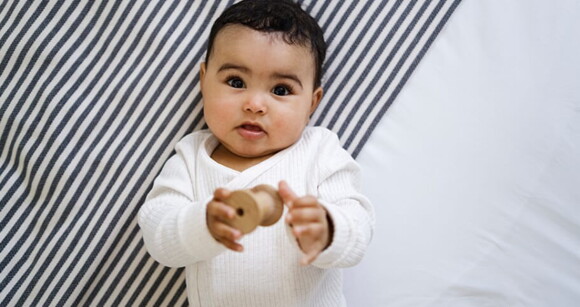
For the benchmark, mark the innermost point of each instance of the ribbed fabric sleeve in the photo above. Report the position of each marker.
(351, 213)
(172, 219)
(268, 272)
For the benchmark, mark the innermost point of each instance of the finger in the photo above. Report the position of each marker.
(312, 230)
(224, 231)
(221, 211)
(221, 194)
(298, 215)
(286, 193)
(306, 201)
(226, 235)
(235, 246)
(309, 258)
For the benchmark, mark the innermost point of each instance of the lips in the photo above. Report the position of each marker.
(251, 127)
(251, 131)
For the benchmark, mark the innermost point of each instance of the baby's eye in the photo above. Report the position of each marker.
(236, 82)
(281, 90)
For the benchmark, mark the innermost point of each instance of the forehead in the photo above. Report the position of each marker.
(240, 43)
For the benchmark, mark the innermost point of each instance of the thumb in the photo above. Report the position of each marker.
(286, 193)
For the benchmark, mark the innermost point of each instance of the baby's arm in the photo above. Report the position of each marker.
(309, 221)
(349, 214)
(172, 221)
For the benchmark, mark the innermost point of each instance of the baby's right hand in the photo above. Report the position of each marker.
(218, 218)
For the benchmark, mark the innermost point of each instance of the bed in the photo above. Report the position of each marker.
(464, 116)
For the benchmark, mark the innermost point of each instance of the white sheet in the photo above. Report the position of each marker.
(475, 170)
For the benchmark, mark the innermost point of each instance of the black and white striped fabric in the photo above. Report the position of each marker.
(93, 96)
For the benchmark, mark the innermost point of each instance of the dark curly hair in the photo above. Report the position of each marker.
(280, 16)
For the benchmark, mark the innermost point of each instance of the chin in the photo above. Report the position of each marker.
(254, 154)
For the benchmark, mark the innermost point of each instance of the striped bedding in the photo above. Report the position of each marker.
(93, 96)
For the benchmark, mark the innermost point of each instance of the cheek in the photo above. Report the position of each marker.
(216, 112)
(217, 102)
(291, 122)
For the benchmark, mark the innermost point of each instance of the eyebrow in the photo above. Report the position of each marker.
(245, 69)
(227, 66)
(288, 76)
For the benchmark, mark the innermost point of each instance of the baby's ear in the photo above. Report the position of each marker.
(316, 97)
(201, 73)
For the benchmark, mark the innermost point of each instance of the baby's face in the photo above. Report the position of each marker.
(258, 91)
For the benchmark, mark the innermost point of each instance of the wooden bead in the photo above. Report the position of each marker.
(260, 205)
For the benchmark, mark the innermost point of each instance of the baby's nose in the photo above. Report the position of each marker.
(255, 103)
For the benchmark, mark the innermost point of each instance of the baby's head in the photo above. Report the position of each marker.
(284, 19)
(261, 80)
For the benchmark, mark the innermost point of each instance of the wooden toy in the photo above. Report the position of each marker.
(260, 205)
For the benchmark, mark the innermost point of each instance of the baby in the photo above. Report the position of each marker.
(260, 82)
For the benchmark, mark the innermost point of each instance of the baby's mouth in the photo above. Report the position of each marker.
(251, 127)
(251, 131)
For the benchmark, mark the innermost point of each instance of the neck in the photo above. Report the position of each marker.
(227, 158)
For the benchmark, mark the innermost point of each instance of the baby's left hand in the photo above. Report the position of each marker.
(309, 222)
